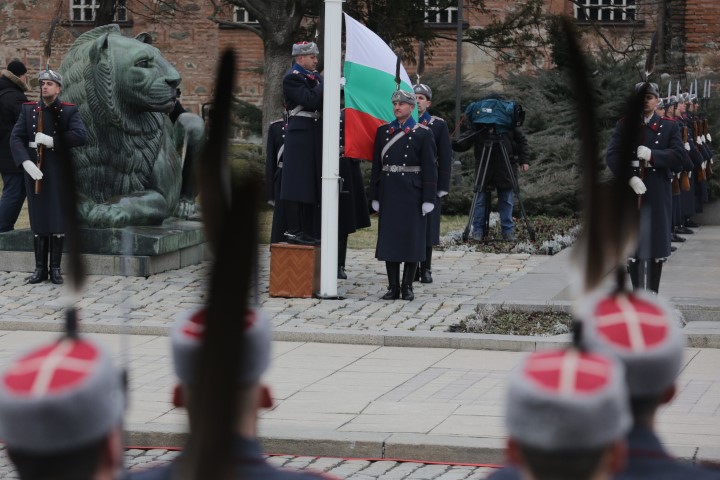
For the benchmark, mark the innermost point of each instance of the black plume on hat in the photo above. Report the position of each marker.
(17, 68)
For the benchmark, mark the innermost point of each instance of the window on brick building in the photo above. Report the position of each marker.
(243, 16)
(615, 11)
(84, 10)
(435, 14)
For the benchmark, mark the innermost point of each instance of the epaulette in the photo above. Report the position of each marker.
(297, 72)
(276, 121)
(433, 118)
(67, 104)
(420, 125)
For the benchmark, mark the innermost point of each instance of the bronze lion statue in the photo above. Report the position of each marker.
(130, 170)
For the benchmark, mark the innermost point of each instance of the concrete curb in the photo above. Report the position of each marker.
(697, 337)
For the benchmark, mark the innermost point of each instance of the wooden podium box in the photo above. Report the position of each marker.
(294, 270)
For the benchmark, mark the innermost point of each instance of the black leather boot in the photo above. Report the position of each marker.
(406, 289)
(655, 273)
(393, 273)
(426, 267)
(41, 244)
(56, 247)
(342, 254)
(633, 268)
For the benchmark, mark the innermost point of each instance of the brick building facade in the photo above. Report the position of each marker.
(193, 43)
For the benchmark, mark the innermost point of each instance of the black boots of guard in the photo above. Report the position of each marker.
(47, 245)
(393, 273)
(406, 289)
(638, 277)
(42, 245)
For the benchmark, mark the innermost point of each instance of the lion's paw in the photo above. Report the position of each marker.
(187, 210)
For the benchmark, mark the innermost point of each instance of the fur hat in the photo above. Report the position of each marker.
(59, 397)
(50, 75)
(638, 329)
(652, 88)
(566, 399)
(17, 68)
(404, 97)
(186, 336)
(305, 48)
(422, 89)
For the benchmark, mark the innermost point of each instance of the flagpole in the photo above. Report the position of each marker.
(331, 150)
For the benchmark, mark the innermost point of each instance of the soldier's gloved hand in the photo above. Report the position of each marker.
(687, 146)
(644, 153)
(703, 165)
(698, 140)
(271, 203)
(637, 185)
(32, 170)
(46, 140)
(427, 207)
(441, 193)
(376, 205)
(709, 138)
(703, 138)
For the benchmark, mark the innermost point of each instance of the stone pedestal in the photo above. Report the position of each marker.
(130, 251)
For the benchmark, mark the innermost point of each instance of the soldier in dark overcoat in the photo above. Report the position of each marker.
(659, 153)
(441, 134)
(61, 122)
(353, 211)
(685, 125)
(403, 188)
(302, 163)
(274, 151)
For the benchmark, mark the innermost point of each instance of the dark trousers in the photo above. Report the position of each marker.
(12, 199)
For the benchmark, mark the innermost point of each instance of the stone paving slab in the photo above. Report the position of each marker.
(372, 401)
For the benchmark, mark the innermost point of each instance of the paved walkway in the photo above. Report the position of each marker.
(346, 382)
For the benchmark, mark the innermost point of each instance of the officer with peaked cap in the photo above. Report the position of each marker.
(658, 155)
(302, 161)
(186, 336)
(441, 134)
(61, 122)
(403, 189)
(567, 415)
(638, 329)
(61, 407)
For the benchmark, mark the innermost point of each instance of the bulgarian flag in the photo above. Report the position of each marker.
(369, 83)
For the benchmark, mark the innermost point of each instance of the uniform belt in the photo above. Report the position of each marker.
(401, 169)
(314, 115)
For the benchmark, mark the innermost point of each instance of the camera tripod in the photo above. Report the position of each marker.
(490, 143)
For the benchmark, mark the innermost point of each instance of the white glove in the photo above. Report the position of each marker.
(271, 203)
(702, 137)
(703, 165)
(687, 146)
(690, 174)
(707, 135)
(637, 185)
(427, 207)
(441, 193)
(643, 153)
(46, 140)
(698, 140)
(376, 205)
(32, 170)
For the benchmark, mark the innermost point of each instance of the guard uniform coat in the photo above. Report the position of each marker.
(249, 465)
(12, 96)
(62, 122)
(353, 211)
(441, 134)
(647, 459)
(302, 163)
(402, 229)
(662, 136)
(273, 178)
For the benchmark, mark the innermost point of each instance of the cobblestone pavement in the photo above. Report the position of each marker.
(463, 279)
(141, 459)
